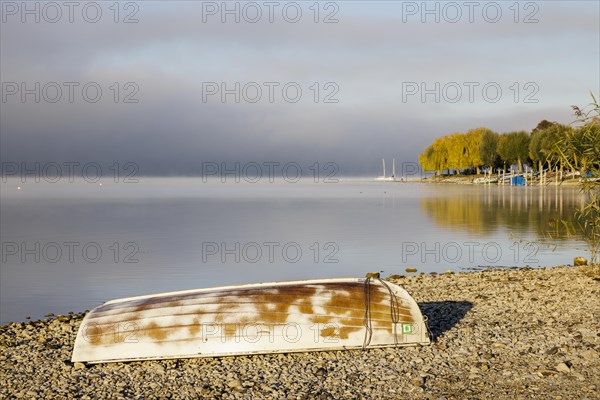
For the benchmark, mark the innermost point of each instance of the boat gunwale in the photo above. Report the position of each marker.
(346, 317)
(125, 310)
(117, 304)
(189, 296)
(305, 283)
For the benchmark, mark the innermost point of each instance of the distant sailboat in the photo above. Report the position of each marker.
(389, 178)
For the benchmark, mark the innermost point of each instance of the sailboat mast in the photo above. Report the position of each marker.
(393, 167)
(383, 159)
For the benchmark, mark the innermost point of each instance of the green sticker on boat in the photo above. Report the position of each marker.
(406, 329)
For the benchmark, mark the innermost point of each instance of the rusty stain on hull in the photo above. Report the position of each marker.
(262, 318)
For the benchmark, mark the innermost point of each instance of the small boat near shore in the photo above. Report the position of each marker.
(492, 179)
(279, 317)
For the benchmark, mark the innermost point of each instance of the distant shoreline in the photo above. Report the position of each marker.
(469, 180)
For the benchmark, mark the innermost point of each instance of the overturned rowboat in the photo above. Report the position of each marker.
(281, 317)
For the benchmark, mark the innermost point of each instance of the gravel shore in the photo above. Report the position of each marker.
(528, 333)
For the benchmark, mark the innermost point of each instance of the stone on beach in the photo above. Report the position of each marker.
(577, 261)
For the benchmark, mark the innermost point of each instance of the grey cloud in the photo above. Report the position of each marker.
(170, 53)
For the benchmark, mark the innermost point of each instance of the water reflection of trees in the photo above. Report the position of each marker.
(516, 209)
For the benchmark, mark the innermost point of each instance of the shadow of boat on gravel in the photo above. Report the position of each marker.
(443, 315)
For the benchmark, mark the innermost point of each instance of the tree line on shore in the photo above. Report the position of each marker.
(547, 146)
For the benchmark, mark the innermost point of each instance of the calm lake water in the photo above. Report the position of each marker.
(71, 246)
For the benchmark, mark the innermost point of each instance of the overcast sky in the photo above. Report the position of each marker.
(366, 69)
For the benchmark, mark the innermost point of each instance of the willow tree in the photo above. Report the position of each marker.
(457, 158)
(535, 148)
(542, 146)
(488, 146)
(543, 124)
(435, 157)
(473, 139)
(426, 159)
(513, 148)
(442, 153)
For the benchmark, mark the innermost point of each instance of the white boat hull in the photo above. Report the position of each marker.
(485, 180)
(327, 314)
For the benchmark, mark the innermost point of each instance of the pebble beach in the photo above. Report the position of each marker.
(497, 334)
